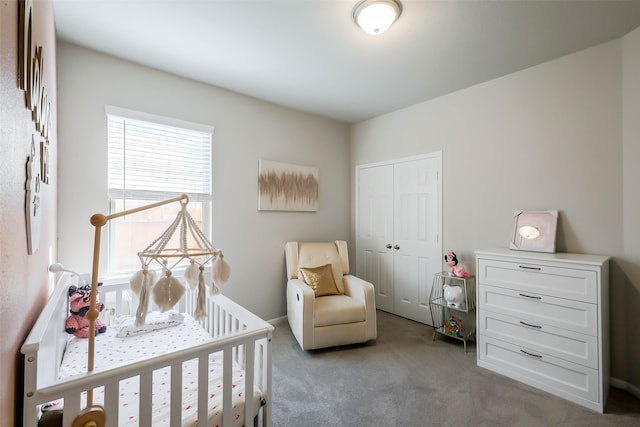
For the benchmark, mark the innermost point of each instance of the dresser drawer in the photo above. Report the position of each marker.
(546, 372)
(567, 345)
(540, 309)
(568, 283)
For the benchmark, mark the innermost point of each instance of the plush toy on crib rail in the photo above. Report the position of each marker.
(79, 304)
(454, 268)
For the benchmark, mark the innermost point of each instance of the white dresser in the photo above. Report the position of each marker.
(543, 319)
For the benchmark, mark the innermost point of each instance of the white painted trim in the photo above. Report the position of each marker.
(277, 320)
(437, 154)
(623, 385)
(110, 110)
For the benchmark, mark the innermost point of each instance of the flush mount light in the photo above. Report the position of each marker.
(376, 16)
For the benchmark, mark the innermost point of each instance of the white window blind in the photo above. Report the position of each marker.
(151, 160)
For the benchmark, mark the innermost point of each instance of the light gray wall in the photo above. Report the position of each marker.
(246, 130)
(629, 303)
(548, 137)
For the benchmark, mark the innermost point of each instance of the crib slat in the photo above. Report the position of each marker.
(212, 319)
(176, 394)
(248, 381)
(266, 379)
(214, 314)
(111, 403)
(71, 409)
(227, 393)
(145, 396)
(203, 384)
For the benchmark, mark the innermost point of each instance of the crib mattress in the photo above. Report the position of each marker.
(111, 350)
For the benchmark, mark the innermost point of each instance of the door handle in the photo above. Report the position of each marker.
(388, 246)
(396, 247)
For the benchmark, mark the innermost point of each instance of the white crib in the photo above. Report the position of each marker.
(243, 338)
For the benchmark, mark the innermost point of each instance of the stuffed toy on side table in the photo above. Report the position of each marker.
(79, 304)
(455, 269)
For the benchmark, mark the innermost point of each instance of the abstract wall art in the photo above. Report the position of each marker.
(287, 187)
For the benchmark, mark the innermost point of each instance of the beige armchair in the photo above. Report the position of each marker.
(346, 316)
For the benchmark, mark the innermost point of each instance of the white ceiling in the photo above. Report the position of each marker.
(309, 55)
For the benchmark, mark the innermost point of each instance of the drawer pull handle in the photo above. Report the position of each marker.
(530, 268)
(530, 296)
(530, 325)
(531, 354)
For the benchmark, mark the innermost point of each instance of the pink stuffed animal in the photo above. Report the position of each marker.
(79, 304)
(452, 261)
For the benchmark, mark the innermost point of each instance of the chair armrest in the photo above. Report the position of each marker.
(358, 288)
(361, 289)
(300, 311)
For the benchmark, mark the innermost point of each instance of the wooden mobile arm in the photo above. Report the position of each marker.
(96, 416)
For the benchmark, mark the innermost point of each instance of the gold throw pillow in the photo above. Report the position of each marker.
(320, 279)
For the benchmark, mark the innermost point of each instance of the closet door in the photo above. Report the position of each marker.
(374, 252)
(398, 245)
(417, 249)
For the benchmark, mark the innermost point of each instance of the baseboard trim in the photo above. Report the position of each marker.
(623, 385)
(277, 320)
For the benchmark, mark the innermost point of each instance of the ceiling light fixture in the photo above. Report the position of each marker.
(376, 16)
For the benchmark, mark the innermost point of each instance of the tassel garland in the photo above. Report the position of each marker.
(141, 283)
(201, 306)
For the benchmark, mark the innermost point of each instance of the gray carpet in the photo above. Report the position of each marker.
(406, 379)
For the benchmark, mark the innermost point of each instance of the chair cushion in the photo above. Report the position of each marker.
(320, 279)
(338, 309)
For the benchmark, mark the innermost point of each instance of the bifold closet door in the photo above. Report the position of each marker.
(398, 247)
(417, 254)
(374, 250)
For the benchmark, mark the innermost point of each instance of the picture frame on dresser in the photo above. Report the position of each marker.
(534, 231)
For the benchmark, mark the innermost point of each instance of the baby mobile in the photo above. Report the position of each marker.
(194, 247)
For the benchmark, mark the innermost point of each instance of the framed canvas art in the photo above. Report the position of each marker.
(287, 187)
(534, 231)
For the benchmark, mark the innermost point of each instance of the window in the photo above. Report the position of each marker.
(151, 159)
